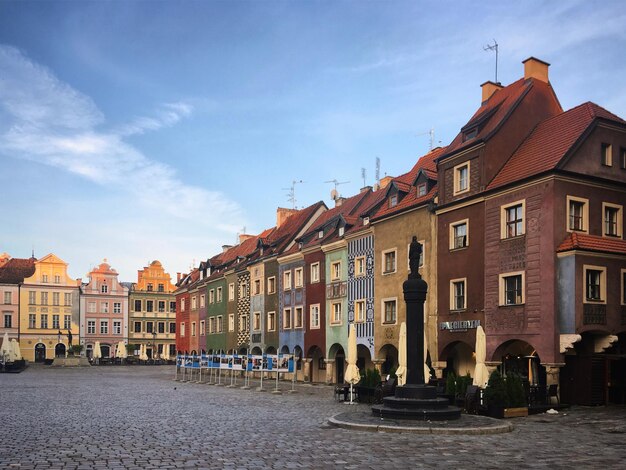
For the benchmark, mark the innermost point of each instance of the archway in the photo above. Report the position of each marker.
(243, 351)
(270, 350)
(318, 366)
(40, 352)
(459, 357)
(284, 350)
(256, 351)
(59, 350)
(105, 349)
(364, 358)
(337, 353)
(389, 355)
(89, 351)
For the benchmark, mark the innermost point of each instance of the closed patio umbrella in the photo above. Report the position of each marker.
(97, 352)
(121, 350)
(5, 349)
(481, 374)
(401, 371)
(352, 373)
(166, 352)
(16, 349)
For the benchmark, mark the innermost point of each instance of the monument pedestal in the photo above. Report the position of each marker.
(416, 401)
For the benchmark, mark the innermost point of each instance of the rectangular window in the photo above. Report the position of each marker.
(256, 322)
(458, 294)
(44, 321)
(512, 219)
(512, 288)
(193, 328)
(202, 300)
(117, 327)
(149, 327)
(137, 305)
(287, 280)
(231, 292)
(287, 319)
(459, 234)
(57, 279)
(335, 311)
(68, 299)
(161, 288)
(271, 285)
(612, 215)
(271, 321)
(298, 277)
(393, 200)
(359, 266)
(91, 327)
(315, 272)
(389, 311)
(137, 328)
(622, 158)
(606, 154)
(220, 323)
(257, 287)
(461, 178)
(32, 297)
(595, 283)
(297, 321)
(44, 298)
(161, 304)
(7, 320)
(314, 311)
(91, 307)
(117, 307)
(44, 278)
(104, 289)
(55, 299)
(182, 328)
(421, 190)
(389, 262)
(161, 327)
(55, 322)
(231, 322)
(211, 325)
(173, 328)
(577, 214)
(194, 304)
(67, 321)
(623, 286)
(104, 327)
(173, 306)
(202, 328)
(359, 311)
(335, 271)
(150, 288)
(211, 297)
(104, 307)
(31, 320)
(218, 292)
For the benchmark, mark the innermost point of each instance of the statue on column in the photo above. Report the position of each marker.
(415, 253)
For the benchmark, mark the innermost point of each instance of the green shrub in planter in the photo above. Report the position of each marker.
(451, 384)
(495, 393)
(462, 382)
(515, 391)
(370, 378)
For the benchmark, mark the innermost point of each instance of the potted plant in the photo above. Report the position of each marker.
(76, 349)
(517, 405)
(366, 388)
(450, 393)
(495, 395)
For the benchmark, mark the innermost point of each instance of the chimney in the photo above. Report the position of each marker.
(225, 248)
(489, 88)
(385, 181)
(339, 201)
(177, 277)
(283, 214)
(364, 189)
(243, 237)
(535, 68)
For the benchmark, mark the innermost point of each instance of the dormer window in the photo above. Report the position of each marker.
(421, 189)
(366, 220)
(461, 178)
(320, 234)
(470, 133)
(393, 200)
(341, 231)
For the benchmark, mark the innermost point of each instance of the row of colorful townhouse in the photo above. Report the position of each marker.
(521, 220)
(47, 311)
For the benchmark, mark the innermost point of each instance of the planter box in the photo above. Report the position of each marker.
(516, 412)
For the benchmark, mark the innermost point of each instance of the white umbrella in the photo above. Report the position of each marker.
(142, 353)
(352, 373)
(426, 368)
(166, 352)
(481, 374)
(121, 350)
(5, 349)
(401, 371)
(97, 352)
(16, 349)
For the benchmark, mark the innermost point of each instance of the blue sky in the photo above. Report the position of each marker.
(141, 130)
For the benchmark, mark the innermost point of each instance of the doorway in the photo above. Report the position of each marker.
(59, 350)
(40, 352)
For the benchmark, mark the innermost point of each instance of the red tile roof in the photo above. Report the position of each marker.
(15, 270)
(550, 142)
(582, 241)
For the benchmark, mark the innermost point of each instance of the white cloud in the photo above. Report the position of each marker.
(48, 122)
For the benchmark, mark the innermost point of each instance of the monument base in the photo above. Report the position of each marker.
(417, 402)
(71, 361)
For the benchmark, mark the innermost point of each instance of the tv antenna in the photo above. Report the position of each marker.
(291, 195)
(243, 232)
(363, 175)
(377, 174)
(334, 194)
(431, 134)
(493, 47)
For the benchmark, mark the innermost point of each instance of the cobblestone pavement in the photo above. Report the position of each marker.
(138, 417)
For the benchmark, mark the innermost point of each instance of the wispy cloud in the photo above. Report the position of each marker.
(49, 122)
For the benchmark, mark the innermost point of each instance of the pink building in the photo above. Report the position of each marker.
(103, 311)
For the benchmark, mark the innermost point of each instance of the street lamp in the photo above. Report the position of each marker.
(154, 347)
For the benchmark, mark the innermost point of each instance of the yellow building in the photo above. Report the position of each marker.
(152, 315)
(49, 310)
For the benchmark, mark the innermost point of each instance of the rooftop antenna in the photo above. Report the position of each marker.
(363, 174)
(431, 134)
(377, 184)
(243, 232)
(334, 194)
(493, 47)
(291, 195)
